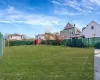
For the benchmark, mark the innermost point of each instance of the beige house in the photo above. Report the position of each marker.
(46, 36)
(16, 37)
(50, 36)
(70, 31)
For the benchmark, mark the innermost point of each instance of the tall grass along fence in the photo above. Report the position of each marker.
(83, 42)
(2, 44)
(18, 43)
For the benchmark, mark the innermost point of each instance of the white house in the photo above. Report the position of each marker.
(15, 37)
(91, 30)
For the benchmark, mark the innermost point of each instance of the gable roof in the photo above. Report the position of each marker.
(78, 30)
(50, 34)
(15, 34)
(90, 23)
(83, 28)
(68, 26)
(94, 22)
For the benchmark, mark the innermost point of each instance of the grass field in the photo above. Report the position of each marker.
(47, 63)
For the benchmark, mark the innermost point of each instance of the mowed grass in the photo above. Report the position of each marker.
(47, 63)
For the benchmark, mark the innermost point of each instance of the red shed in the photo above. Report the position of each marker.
(37, 41)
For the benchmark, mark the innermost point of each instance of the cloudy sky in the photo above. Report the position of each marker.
(31, 17)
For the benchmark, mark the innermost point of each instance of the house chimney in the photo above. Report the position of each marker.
(74, 25)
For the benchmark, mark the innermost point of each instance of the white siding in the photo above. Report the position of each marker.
(15, 37)
(89, 33)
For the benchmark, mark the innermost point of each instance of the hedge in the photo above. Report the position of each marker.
(18, 43)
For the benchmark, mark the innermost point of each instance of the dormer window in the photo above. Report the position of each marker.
(92, 27)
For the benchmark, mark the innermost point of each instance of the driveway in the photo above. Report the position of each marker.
(97, 64)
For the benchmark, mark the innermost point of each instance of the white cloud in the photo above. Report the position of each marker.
(79, 6)
(95, 1)
(11, 9)
(78, 24)
(5, 21)
(89, 7)
(83, 7)
(44, 22)
(12, 15)
(56, 2)
(66, 12)
(73, 4)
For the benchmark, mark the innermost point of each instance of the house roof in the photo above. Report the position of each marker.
(94, 22)
(15, 34)
(90, 23)
(78, 30)
(83, 28)
(68, 26)
(49, 34)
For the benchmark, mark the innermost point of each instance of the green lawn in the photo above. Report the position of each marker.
(47, 63)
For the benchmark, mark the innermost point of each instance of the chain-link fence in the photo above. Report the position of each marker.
(2, 44)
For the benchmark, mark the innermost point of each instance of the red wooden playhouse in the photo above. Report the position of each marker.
(37, 41)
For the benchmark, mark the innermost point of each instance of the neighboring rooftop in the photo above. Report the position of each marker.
(15, 34)
(68, 26)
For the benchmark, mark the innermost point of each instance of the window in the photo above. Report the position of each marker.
(70, 31)
(78, 31)
(21, 36)
(92, 27)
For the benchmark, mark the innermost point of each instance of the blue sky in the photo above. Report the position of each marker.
(32, 17)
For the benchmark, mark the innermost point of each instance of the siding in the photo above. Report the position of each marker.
(66, 33)
(88, 32)
(15, 38)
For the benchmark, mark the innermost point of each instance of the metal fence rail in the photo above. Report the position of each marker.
(2, 44)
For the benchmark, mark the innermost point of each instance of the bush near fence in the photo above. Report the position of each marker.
(83, 42)
(54, 42)
(18, 43)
